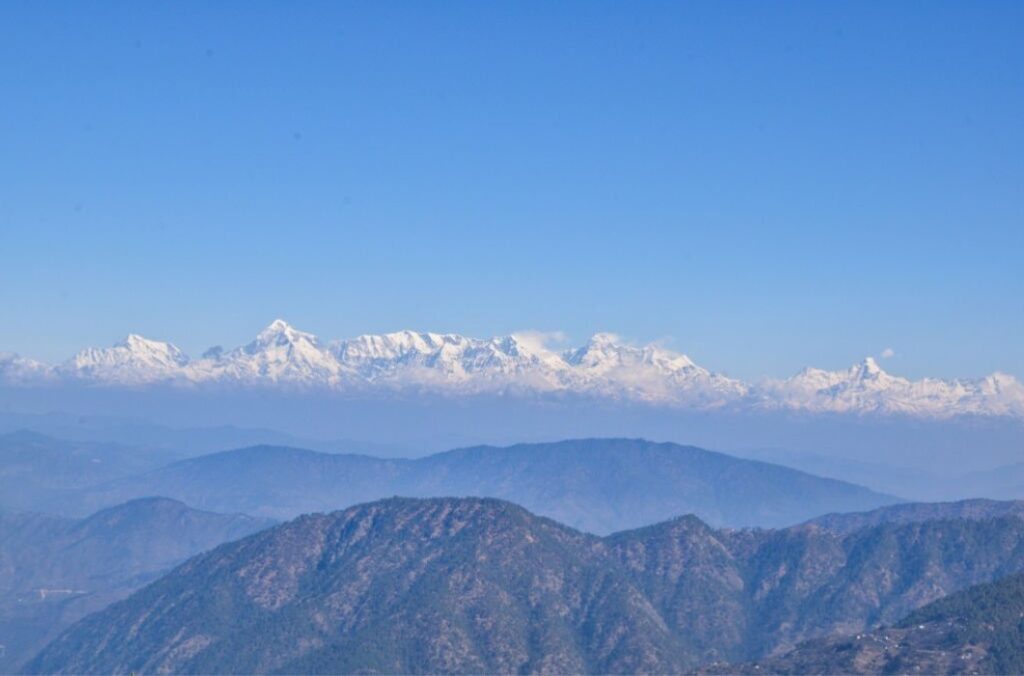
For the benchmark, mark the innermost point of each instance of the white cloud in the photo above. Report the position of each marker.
(541, 339)
(888, 352)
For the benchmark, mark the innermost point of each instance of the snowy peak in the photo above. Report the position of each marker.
(866, 387)
(19, 370)
(651, 373)
(135, 359)
(151, 351)
(605, 339)
(606, 351)
(279, 353)
(425, 359)
(868, 368)
(450, 364)
(814, 379)
(398, 346)
(530, 349)
(280, 333)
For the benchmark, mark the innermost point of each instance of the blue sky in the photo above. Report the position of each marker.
(760, 185)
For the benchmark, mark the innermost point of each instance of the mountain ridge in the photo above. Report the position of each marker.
(450, 364)
(55, 570)
(475, 585)
(597, 485)
(975, 509)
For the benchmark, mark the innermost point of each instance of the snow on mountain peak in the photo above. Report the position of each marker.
(866, 387)
(452, 364)
(279, 353)
(144, 349)
(280, 332)
(433, 359)
(19, 370)
(134, 360)
(606, 351)
(869, 368)
(278, 325)
(605, 338)
(536, 342)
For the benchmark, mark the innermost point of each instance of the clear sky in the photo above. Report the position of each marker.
(760, 185)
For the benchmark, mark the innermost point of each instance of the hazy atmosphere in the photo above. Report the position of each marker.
(512, 338)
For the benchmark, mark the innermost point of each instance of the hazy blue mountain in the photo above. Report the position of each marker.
(481, 585)
(178, 441)
(37, 471)
(55, 570)
(975, 631)
(597, 485)
(424, 424)
(604, 485)
(273, 481)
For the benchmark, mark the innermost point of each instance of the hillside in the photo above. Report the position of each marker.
(54, 571)
(975, 631)
(481, 585)
(596, 485)
(399, 586)
(740, 594)
(976, 509)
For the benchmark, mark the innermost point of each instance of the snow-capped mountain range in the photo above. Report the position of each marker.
(282, 356)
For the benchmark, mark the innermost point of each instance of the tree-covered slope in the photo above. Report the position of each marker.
(481, 585)
(735, 595)
(979, 630)
(53, 571)
(398, 586)
(908, 512)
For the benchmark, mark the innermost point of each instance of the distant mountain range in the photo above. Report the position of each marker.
(483, 586)
(53, 570)
(596, 485)
(37, 472)
(147, 439)
(606, 367)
